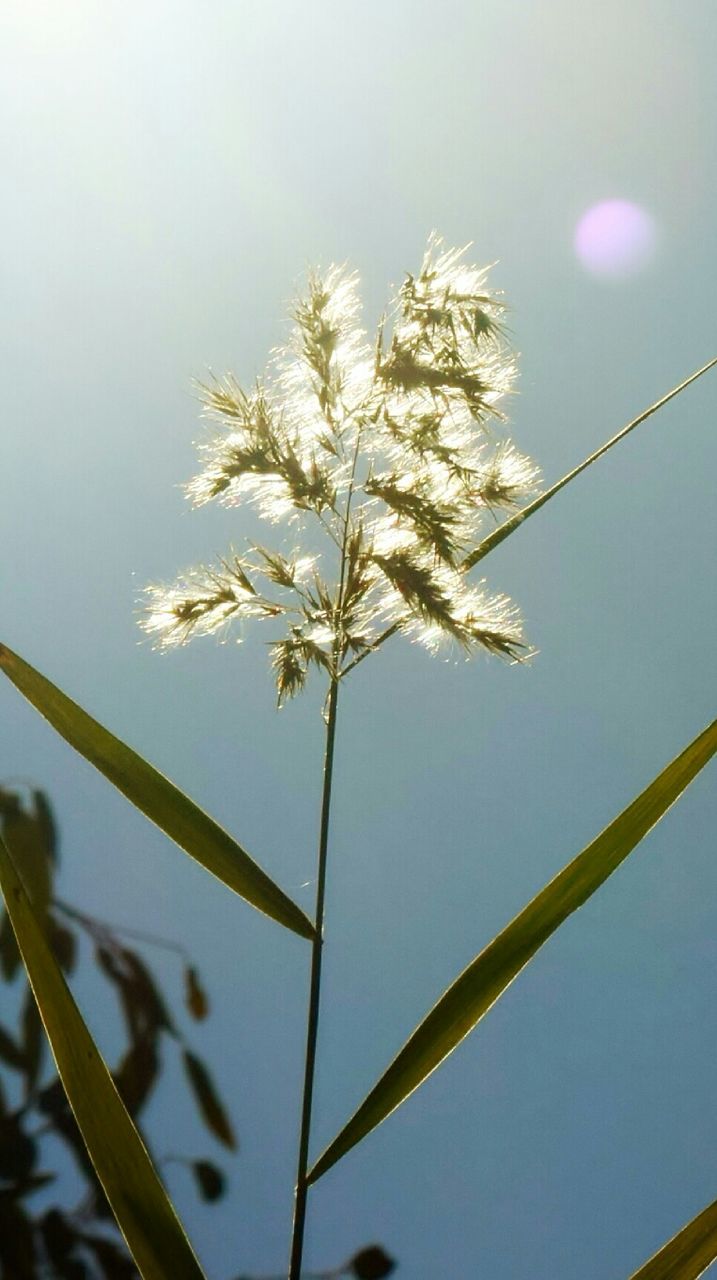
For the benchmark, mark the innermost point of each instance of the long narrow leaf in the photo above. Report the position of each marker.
(144, 1214)
(688, 1254)
(208, 1100)
(173, 812)
(509, 526)
(485, 979)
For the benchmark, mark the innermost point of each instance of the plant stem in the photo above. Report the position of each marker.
(510, 525)
(297, 1237)
(92, 924)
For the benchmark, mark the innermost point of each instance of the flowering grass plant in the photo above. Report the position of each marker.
(391, 450)
(387, 468)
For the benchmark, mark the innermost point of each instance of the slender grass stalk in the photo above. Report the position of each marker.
(515, 521)
(508, 526)
(392, 452)
(312, 1026)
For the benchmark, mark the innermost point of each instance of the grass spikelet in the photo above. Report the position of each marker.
(386, 450)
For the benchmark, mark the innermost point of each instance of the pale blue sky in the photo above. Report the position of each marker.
(169, 170)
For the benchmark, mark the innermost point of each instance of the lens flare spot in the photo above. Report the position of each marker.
(615, 238)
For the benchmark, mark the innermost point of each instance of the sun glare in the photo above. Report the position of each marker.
(615, 238)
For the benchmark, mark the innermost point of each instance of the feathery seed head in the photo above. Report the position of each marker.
(390, 450)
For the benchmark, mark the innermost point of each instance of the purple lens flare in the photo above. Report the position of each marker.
(615, 238)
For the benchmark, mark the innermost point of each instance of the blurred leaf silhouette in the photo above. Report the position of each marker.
(80, 1242)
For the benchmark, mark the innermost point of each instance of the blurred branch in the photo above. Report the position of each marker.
(93, 925)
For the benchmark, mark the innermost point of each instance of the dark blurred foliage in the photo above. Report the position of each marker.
(370, 1263)
(80, 1242)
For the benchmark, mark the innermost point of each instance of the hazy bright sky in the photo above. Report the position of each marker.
(169, 171)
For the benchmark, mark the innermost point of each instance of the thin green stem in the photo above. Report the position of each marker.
(514, 522)
(334, 1274)
(327, 527)
(385, 635)
(297, 1237)
(509, 526)
(312, 1027)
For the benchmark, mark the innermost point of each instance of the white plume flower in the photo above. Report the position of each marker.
(391, 450)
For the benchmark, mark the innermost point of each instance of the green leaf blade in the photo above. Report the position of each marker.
(486, 978)
(688, 1254)
(143, 1211)
(509, 526)
(156, 797)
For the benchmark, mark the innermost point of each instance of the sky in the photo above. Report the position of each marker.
(170, 171)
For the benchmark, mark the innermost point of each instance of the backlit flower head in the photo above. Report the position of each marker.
(390, 449)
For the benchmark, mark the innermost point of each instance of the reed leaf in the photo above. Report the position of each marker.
(688, 1254)
(158, 798)
(486, 978)
(145, 1216)
(504, 530)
